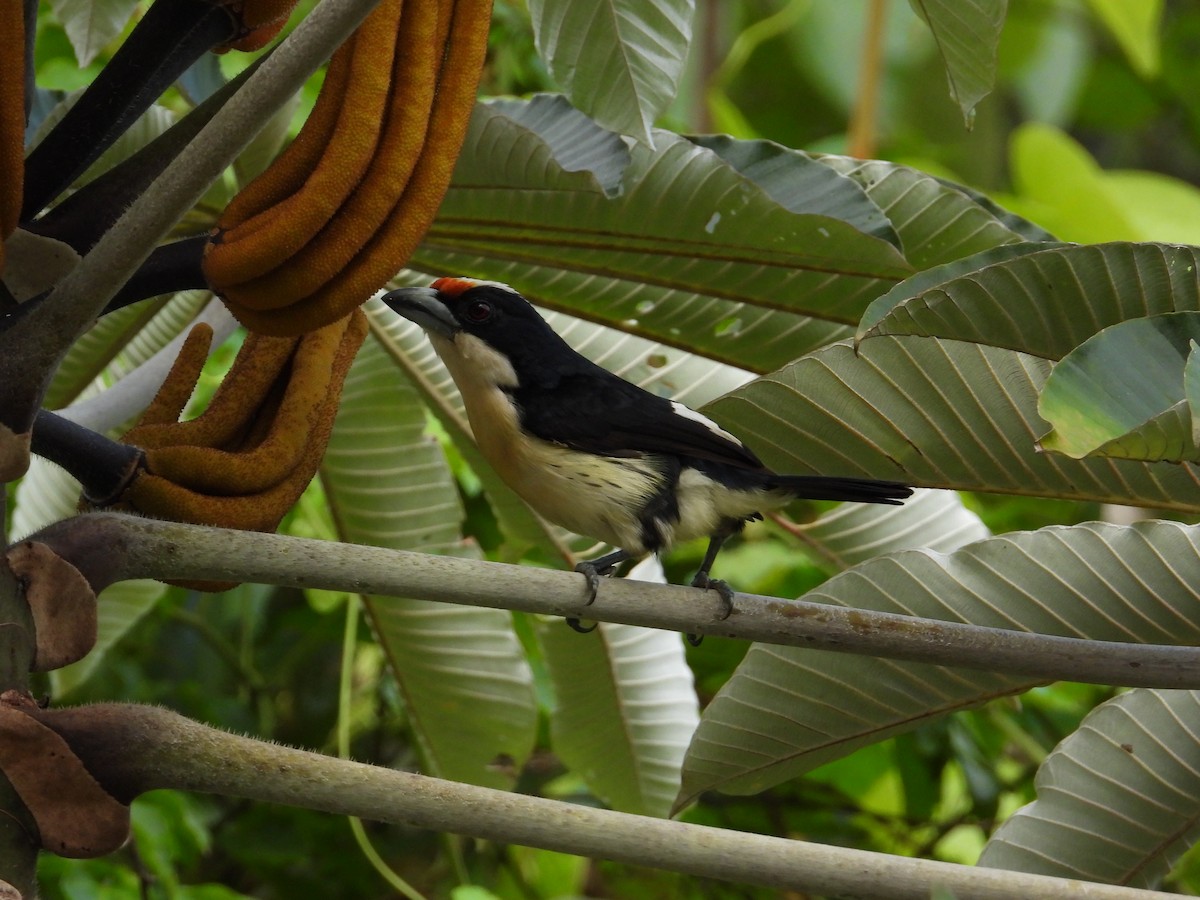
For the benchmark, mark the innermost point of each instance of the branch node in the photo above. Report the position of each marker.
(62, 604)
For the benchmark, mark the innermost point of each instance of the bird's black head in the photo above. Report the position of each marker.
(490, 311)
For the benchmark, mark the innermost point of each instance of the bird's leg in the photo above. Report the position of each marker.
(703, 581)
(592, 570)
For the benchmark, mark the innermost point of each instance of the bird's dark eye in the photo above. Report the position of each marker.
(478, 311)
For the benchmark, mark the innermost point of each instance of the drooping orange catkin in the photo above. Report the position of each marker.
(277, 274)
(414, 84)
(245, 460)
(289, 171)
(238, 401)
(423, 194)
(258, 244)
(12, 117)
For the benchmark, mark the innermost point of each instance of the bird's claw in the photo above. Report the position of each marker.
(724, 591)
(592, 574)
(574, 625)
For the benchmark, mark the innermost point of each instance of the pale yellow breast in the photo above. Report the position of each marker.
(591, 495)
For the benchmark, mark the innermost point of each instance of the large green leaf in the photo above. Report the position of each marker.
(934, 221)
(855, 532)
(926, 281)
(967, 33)
(1135, 27)
(1122, 392)
(787, 710)
(1048, 302)
(1118, 801)
(690, 253)
(619, 60)
(92, 24)
(624, 707)
(464, 678)
(934, 413)
(801, 183)
(937, 222)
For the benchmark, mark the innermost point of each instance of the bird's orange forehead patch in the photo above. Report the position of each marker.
(452, 287)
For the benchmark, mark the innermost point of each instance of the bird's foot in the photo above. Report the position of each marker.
(724, 591)
(592, 573)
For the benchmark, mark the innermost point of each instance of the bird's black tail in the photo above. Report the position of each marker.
(860, 490)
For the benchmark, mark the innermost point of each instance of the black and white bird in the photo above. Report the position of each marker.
(592, 452)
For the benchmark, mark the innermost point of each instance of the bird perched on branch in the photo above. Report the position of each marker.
(593, 453)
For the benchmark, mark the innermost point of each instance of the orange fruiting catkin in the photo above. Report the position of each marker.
(386, 249)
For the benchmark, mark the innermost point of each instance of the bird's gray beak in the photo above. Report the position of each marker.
(423, 306)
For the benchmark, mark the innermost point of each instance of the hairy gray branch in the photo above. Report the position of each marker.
(109, 547)
(218, 762)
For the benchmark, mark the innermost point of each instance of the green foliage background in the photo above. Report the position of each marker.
(1093, 132)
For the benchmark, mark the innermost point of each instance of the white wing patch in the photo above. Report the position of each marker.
(499, 284)
(477, 282)
(688, 413)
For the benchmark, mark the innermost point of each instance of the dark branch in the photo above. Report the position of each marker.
(101, 465)
(171, 36)
(80, 219)
(170, 268)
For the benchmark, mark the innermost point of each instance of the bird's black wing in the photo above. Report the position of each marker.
(597, 412)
